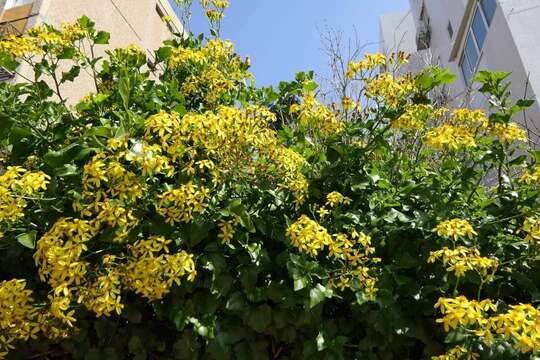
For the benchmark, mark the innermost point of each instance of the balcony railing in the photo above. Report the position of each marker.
(423, 36)
(8, 28)
(13, 23)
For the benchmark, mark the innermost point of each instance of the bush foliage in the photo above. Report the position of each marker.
(180, 212)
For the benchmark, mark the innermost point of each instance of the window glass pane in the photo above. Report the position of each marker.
(466, 70)
(489, 7)
(15, 3)
(479, 29)
(470, 51)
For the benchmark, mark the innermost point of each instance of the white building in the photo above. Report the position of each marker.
(471, 35)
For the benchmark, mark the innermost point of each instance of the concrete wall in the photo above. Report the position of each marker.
(398, 33)
(512, 44)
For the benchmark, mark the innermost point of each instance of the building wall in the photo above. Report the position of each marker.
(512, 44)
(397, 32)
(128, 21)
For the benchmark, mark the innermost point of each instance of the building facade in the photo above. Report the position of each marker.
(146, 23)
(467, 36)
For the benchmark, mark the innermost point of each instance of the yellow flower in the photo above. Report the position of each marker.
(451, 137)
(460, 311)
(335, 198)
(178, 205)
(463, 259)
(314, 116)
(369, 62)
(226, 230)
(454, 229)
(308, 236)
(508, 133)
(531, 176)
(531, 227)
(416, 116)
(151, 271)
(18, 316)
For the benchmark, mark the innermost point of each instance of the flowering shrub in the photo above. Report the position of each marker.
(180, 212)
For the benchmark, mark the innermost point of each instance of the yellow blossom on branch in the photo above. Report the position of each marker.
(454, 229)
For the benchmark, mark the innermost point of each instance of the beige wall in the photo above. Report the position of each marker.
(128, 21)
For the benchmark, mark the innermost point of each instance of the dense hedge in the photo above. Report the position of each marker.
(180, 212)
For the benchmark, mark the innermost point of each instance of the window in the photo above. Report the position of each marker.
(489, 7)
(469, 59)
(479, 29)
(15, 3)
(476, 37)
(450, 30)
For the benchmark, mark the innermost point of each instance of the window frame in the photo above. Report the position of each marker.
(450, 30)
(472, 35)
(482, 4)
(11, 4)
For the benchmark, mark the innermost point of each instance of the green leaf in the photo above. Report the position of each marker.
(71, 74)
(124, 88)
(318, 294)
(239, 210)
(102, 37)
(310, 85)
(28, 239)
(85, 22)
(260, 318)
(7, 62)
(67, 53)
(163, 53)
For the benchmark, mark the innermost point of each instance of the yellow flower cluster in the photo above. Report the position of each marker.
(452, 137)
(460, 311)
(19, 46)
(368, 63)
(215, 13)
(463, 259)
(16, 183)
(469, 118)
(520, 324)
(459, 131)
(178, 205)
(72, 32)
(132, 51)
(389, 89)
(314, 116)
(308, 236)
(416, 116)
(58, 254)
(227, 230)
(531, 176)
(231, 145)
(103, 295)
(457, 353)
(110, 188)
(42, 39)
(349, 104)
(214, 70)
(151, 271)
(335, 198)
(455, 229)
(353, 253)
(508, 133)
(531, 227)
(18, 316)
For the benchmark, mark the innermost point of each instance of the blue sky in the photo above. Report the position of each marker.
(282, 36)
